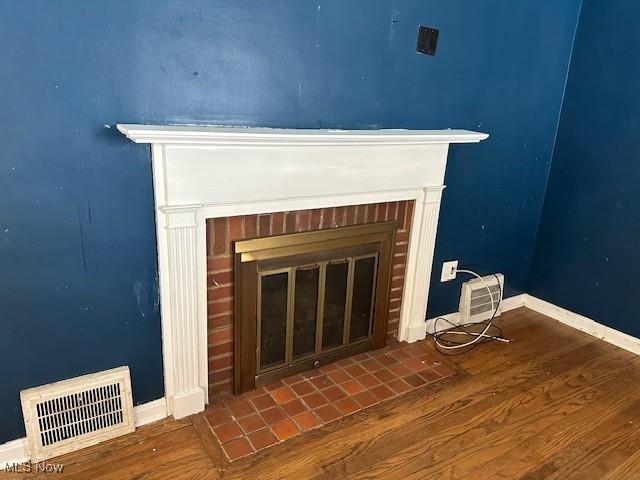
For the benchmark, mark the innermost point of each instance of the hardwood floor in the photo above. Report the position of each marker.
(554, 403)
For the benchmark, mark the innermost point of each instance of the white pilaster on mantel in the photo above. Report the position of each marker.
(189, 397)
(179, 309)
(419, 263)
(202, 172)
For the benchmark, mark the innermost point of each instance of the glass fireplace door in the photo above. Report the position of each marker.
(302, 300)
(307, 311)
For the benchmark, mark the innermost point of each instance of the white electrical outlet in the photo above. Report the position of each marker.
(449, 271)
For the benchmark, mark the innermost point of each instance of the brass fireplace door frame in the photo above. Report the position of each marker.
(247, 255)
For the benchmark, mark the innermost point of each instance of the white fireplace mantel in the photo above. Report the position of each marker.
(202, 172)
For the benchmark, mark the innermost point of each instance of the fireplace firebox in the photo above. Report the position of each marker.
(309, 298)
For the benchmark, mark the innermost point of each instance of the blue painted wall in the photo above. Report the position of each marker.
(78, 288)
(587, 255)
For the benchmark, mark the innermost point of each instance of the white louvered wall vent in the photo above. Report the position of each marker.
(475, 301)
(72, 414)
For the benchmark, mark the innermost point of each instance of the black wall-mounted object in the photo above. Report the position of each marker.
(427, 40)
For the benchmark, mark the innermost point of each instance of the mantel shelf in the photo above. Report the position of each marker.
(240, 136)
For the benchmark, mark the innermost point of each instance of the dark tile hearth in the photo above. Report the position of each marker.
(273, 413)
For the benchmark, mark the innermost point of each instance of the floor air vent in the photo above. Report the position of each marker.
(72, 414)
(475, 301)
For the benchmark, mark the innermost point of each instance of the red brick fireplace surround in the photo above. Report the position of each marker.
(222, 232)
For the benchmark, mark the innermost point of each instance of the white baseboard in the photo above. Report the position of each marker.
(17, 451)
(150, 412)
(510, 303)
(584, 324)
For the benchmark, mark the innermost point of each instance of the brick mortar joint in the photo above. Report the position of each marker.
(220, 300)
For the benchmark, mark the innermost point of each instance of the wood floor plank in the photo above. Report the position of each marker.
(525, 346)
(513, 420)
(551, 438)
(485, 421)
(97, 454)
(555, 403)
(209, 444)
(366, 441)
(597, 452)
(147, 457)
(630, 468)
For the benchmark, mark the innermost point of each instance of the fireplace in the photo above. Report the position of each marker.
(225, 234)
(305, 299)
(206, 175)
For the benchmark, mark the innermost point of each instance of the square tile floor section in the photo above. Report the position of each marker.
(271, 414)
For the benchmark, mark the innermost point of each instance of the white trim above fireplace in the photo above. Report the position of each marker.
(245, 137)
(202, 172)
